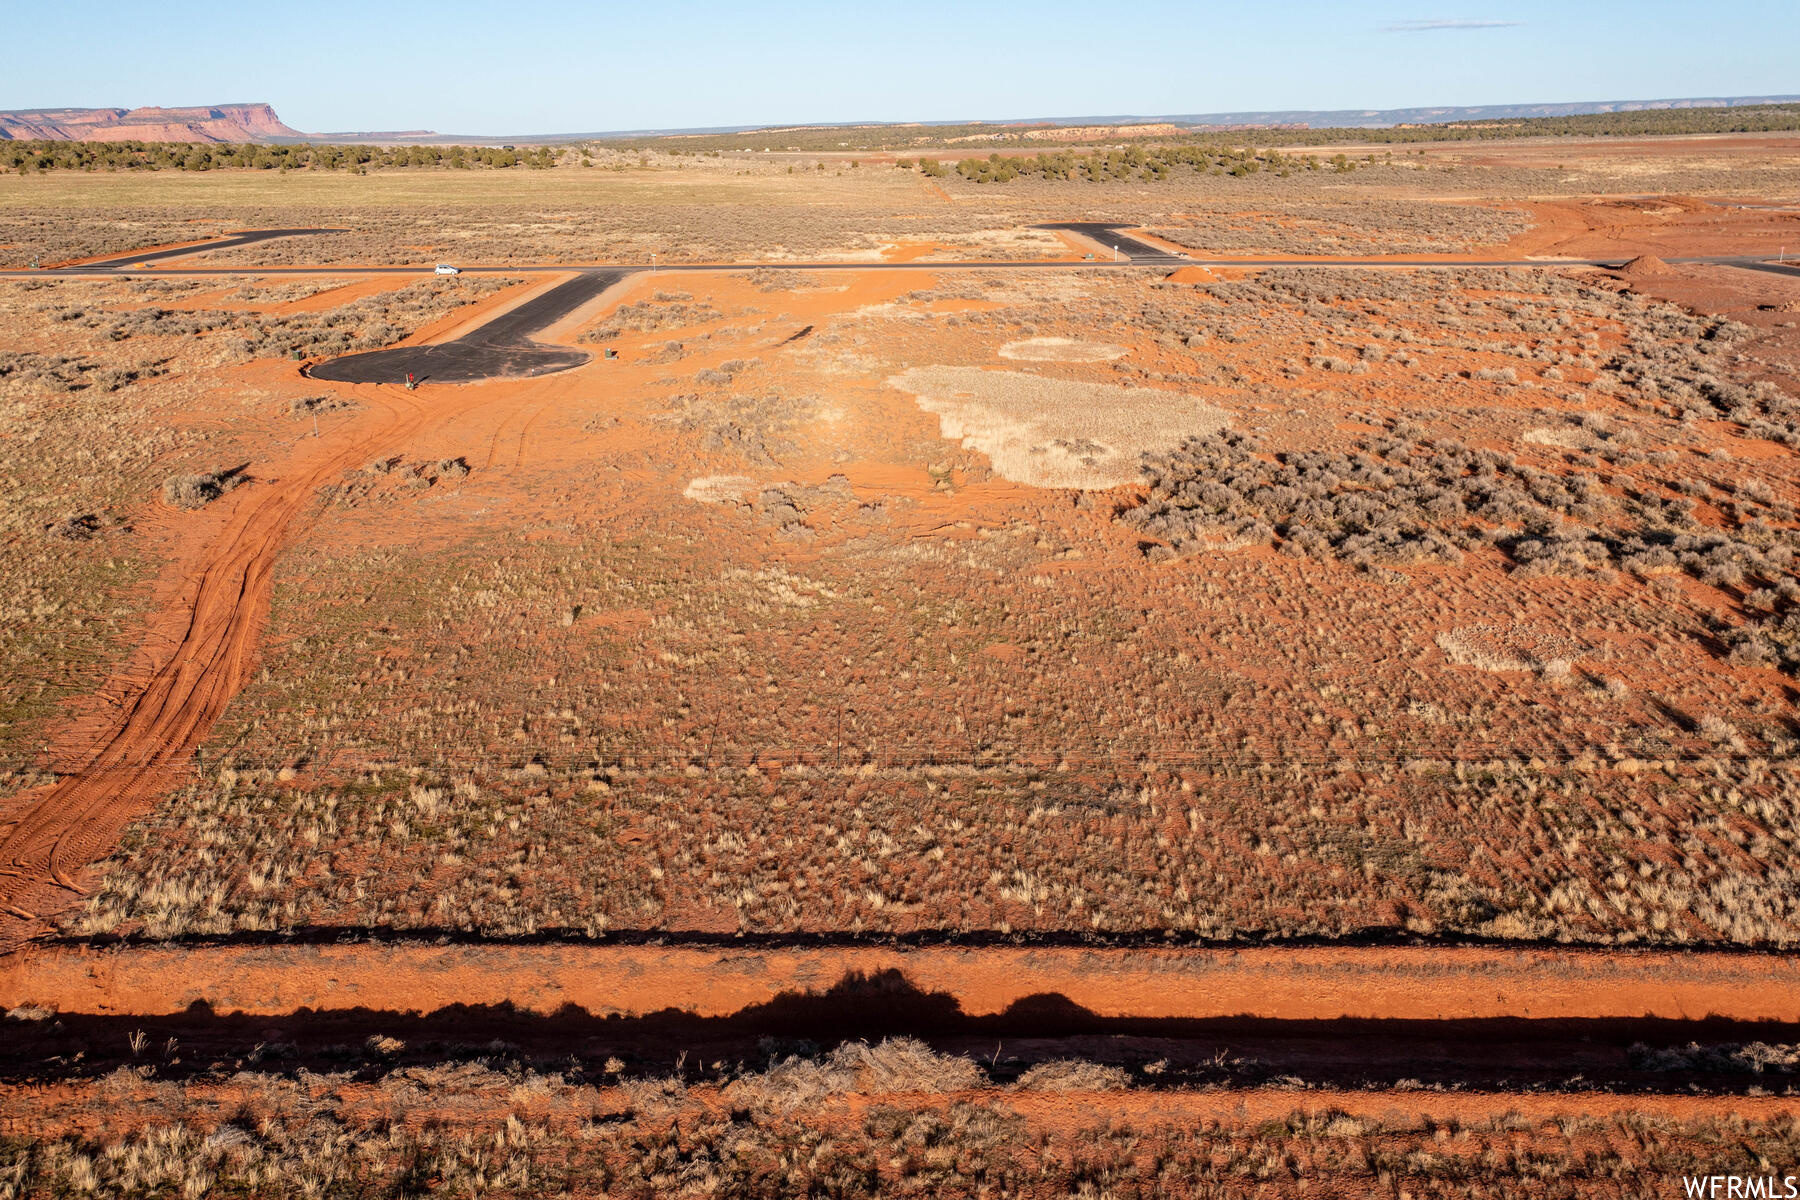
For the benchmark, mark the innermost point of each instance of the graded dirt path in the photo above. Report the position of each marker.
(1426, 983)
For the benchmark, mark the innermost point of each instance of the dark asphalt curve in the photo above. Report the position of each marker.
(500, 349)
(247, 237)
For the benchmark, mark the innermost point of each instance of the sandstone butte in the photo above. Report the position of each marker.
(215, 123)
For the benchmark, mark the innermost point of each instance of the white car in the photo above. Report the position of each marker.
(447, 269)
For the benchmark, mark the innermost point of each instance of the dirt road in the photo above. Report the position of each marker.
(1394, 983)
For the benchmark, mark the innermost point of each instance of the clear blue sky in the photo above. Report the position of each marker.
(540, 67)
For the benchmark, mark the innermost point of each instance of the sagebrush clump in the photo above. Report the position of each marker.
(1395, 501)
(197, 491)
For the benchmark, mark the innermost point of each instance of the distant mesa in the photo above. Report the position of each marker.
(377, 135)
(258, 123)
(212, 123)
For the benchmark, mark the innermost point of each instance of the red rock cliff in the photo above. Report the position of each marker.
(216, 123)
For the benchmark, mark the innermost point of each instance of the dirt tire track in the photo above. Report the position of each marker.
(493, 446)
(209, 639)
(163, 716)
(164, 713)
(525, 430)
(523, 418)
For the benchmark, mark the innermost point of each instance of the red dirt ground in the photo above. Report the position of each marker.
(1309, 983)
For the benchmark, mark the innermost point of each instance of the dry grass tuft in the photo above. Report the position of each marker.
(1058, 349)
(1074, 1075)
(197, 491)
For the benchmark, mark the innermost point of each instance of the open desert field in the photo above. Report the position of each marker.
(898, 695)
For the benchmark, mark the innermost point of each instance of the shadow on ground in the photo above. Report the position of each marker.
(1626, 1055)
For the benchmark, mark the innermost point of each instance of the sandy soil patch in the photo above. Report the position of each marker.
(1567, 437)
(1057, 349)
(1055, 432)
(719, 489)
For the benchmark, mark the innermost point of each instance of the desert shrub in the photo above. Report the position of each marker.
(1393, 225)
(76, 528)
(197, 491)
(1752, 1058)
(747, 424)
(309, 1137)
(902, 1064)
(1381, 504)
(770, 279)
(724, 373)
(1395, 501)
(1073, 1075)
(665, 310)
(64, 373)
(365, 324)
(1768, 642)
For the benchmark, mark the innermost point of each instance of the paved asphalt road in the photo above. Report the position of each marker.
(1753, 265)
(237, 239)
(1749, 262)
(1138, 252)
(1109, 237)
(502, 348)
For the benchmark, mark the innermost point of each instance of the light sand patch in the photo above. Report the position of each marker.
(1055, 432)
(1568, 437)
(719, 489)
(890, 311)
(1057, 349)
(1041, 288)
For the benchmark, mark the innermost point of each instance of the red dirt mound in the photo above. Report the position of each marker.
(1192, 275)
(1644, 265)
